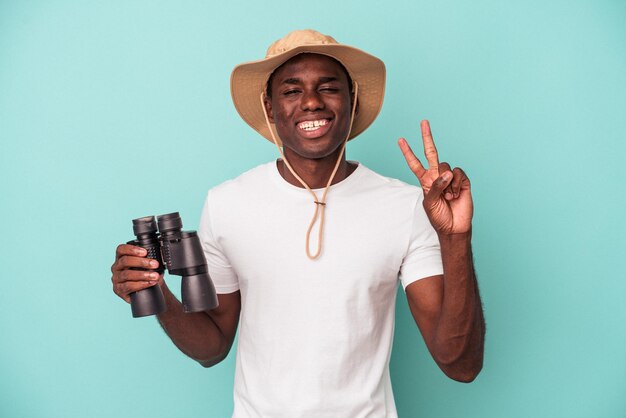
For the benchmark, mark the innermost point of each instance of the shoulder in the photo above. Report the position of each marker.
(251, 181)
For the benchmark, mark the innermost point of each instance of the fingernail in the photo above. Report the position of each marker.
(154, 263)
(140, 251)
(449, 196)
(447, 175)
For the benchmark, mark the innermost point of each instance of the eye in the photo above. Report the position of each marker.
(329, 89)
(291, 92)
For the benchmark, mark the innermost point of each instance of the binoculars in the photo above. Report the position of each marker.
(181, 253)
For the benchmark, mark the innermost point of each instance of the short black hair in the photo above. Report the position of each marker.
(268, 85)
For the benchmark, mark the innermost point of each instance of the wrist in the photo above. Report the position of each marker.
(456, 255)
(455, 245)
(460, 238)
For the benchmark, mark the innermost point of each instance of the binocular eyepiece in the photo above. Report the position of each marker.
(181, 253)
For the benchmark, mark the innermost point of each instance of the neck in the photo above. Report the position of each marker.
(314, 172)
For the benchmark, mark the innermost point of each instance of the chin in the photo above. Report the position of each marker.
(315, 153)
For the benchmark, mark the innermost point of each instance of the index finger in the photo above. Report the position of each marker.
(430, 151)
(414, 163)
(127, 249)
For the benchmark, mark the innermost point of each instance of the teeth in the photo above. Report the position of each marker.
(312, 125)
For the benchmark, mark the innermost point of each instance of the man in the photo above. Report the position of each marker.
(317, 322)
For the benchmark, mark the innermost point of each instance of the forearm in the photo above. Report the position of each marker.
(195, 334)
(458, 340)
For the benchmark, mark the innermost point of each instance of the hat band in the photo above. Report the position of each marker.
(319, 203)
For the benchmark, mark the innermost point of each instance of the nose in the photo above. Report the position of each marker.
(311, 101)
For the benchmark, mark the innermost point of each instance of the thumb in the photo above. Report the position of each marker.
(439, 186)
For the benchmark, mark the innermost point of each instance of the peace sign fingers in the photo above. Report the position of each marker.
(447, 197)
(425, 176)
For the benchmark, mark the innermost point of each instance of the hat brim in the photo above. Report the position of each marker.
(249, 80)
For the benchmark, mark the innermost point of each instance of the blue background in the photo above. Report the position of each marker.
(114, 110)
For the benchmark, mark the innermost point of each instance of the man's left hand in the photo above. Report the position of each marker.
(447, 195)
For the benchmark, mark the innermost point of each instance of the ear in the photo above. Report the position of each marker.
(354, 97)
(267, 102)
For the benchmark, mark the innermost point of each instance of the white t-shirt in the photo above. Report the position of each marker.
(315, 336)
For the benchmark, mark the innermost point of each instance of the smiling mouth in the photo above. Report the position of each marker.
(313, 125)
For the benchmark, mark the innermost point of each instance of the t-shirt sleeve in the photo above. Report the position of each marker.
(423, 257)
(221, 272)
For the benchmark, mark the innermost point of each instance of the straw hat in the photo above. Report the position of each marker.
(249, 80)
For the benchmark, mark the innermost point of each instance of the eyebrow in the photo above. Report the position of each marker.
(295, 80)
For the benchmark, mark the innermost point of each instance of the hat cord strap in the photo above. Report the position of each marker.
(320, 205)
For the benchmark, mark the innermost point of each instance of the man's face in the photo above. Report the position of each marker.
(310, 105)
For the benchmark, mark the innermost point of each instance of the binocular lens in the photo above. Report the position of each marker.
(170, 222)
(145, 225)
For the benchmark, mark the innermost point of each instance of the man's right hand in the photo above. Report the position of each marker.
(204, 336)
(125, 279)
